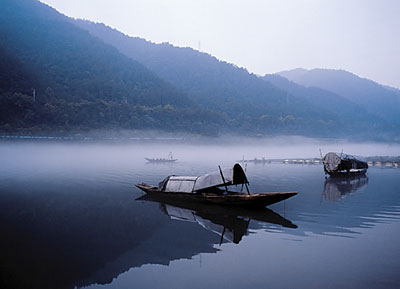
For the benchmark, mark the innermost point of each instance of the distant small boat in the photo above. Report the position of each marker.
(170, 159)
(160, 160)
(336, 164)
(213, 188)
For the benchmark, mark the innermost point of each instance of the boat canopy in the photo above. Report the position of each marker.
(335, 161)
(331, 161)
(188, 184)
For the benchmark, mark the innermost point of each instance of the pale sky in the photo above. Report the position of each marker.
(264, 36)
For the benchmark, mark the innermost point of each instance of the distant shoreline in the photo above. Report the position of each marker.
(160, 136)
(87, 138)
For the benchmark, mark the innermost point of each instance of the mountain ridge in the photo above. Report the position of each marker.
(80, 83)
(374, 97)
(73, 76)
(183, 68)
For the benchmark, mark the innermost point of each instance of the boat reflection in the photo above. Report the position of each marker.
(231, 223)
(336, 188)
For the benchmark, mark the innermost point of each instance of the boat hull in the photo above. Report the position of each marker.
(340, 174)
(228, 199)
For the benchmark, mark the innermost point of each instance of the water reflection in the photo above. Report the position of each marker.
(231, 223)
(337, 187)
(69, 218)
(76, 235)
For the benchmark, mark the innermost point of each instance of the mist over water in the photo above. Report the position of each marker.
(227, 149)
(71, 219)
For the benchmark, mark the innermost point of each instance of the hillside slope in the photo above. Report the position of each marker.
(80, 83)
(346, 110)
(374, 97)
(250, 103)
(71, 76)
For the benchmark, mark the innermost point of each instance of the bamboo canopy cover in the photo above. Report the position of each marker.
(338, 162)
(189, 184)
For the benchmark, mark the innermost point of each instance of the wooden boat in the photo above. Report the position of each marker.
(170, 159)
(213, 188)
(160, 160)
(339, 165)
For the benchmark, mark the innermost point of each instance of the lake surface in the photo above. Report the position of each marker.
(70, 218)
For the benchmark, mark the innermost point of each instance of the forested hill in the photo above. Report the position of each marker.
(79, 82)
(373, 97)
(252, 105)
(347, 111)
(65, 76)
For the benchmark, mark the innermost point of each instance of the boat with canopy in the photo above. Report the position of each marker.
(336, 164)
(213, 188)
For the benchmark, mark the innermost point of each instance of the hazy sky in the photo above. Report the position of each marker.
(264, 36)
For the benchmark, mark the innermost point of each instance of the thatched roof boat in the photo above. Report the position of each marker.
(336, 164)
(213, 188)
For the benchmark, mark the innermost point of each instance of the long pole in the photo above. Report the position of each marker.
(222, 236)
(223, 179)
(247, 188)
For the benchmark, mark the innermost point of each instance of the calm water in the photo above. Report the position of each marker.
(69, 218)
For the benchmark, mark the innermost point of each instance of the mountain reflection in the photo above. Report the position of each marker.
(231, 223)
(74, 236)
(335, 188)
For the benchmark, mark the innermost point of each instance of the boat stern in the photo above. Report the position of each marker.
(146, 188)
